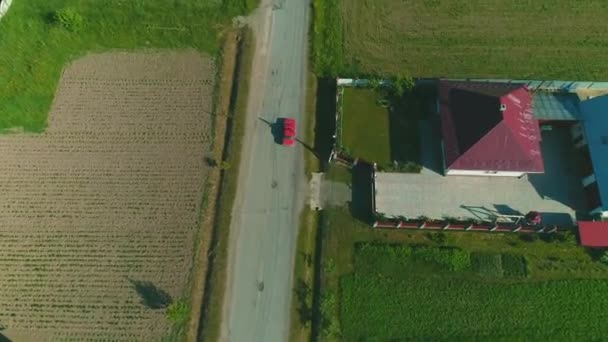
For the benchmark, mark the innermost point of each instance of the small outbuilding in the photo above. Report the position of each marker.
(488, 129)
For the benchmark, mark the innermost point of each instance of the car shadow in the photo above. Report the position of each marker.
(275, 129)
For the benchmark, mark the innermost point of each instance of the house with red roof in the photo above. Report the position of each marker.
(488, 129)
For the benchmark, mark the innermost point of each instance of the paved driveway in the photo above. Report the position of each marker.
(557, 194)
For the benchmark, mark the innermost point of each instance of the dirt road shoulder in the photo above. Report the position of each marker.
(228, 147)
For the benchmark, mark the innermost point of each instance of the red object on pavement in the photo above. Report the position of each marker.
(289, 131)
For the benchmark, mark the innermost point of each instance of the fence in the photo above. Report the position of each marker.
(534, 85)
(337, 151)
(475, 227)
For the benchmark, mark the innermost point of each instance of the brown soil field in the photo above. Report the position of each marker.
(107, 198)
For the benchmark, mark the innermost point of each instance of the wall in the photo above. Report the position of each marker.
(482, 173)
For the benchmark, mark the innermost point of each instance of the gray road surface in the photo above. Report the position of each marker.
(272, 185)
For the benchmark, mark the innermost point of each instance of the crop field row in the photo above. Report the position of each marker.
(387, 285)
(433, 296)
(98, 215)
(541, 39)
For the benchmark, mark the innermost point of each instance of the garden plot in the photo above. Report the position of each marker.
(107, 199)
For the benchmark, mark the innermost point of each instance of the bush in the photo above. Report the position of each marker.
(327, 41)
(68, 18)
(178, 312)
(529, 237)
(604, 258)
(439, 238)
(329, 309)
(402, 85)
(407, 167)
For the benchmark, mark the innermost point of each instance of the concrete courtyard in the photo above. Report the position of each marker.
(557, 193)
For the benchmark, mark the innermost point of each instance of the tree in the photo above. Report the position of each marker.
(68, 18)
(224, 165)
(403, 84)
(374, 83)
(604, 258)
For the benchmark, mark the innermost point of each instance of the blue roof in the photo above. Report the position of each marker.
(594, 114)
(555, 106)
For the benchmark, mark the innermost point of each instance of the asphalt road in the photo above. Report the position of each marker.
(272, 184)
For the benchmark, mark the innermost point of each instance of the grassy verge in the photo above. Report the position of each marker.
(304, 271)
(327, 44)
(218, 255)
(553, 265)
(304, 278)
(40, 36)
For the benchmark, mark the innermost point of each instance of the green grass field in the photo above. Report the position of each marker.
(541, 39)
(377, 287)
(34, 47)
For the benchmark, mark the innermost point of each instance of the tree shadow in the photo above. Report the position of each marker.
(151, 296)
(405, 112)
(2, 337)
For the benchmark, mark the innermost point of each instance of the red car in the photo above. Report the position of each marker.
(289, 131)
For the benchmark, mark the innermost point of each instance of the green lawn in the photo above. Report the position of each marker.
(455, 285)
(365, 125)
(34, 47)
(383, 133)
(540, 39)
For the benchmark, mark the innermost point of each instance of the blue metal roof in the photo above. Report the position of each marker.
(594, 113)
(555, 106)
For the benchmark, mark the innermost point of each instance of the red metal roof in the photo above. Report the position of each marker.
(593, 234)
(489, 127)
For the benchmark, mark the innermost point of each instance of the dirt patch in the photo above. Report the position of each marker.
(227, 70)
(98, 215)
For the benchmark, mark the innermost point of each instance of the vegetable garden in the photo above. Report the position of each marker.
(396, 285)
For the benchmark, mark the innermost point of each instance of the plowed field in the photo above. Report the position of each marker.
(107, 198)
